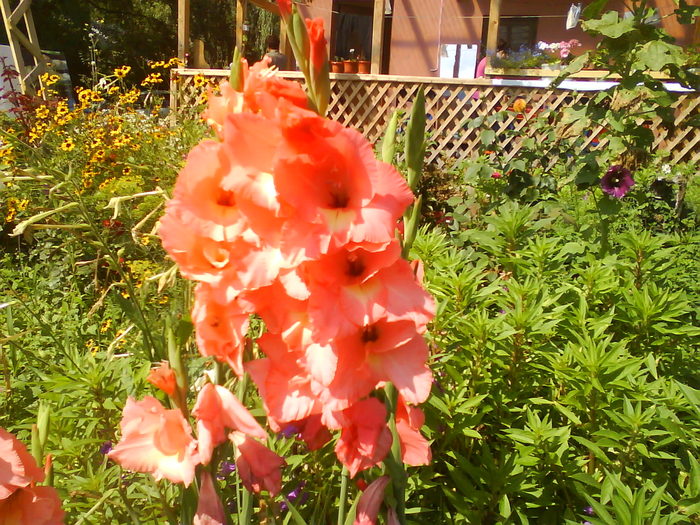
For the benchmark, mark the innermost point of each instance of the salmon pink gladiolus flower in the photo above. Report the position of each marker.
(163, 378)
(258, 466)
(210, 511)
(17, 467)
(156, 441)
(415, 449)
(217, 409)
(32, 506)
(365, 439)
(370, 502)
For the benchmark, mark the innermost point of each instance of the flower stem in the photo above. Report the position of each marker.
(343, 496)
(393, 462)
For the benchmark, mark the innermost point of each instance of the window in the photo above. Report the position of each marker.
(517, 32)
(352, 29)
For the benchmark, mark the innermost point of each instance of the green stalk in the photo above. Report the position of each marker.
(393, 462)
(246, 509)
(343, 495)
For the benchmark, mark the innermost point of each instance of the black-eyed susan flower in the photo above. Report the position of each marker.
(68, 144)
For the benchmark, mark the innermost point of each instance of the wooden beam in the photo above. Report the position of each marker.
(286, 47)
(377, 37)
(183, 30)
(494, 22)
(240, 20)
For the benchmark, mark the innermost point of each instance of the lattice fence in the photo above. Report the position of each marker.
(366, 103)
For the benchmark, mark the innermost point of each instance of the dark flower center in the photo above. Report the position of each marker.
(370, 334)
(226, 198)
(356, 265)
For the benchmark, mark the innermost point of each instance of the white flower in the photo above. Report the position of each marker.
(541, 45)
(666, 169)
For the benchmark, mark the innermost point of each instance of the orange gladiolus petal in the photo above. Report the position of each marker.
(156, 441)
(216, 410)
(370, 502)
(17, 467)
(32, 506)
(365, 439)
(258, 466)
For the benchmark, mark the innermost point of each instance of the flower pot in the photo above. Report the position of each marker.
(363, 66)
(336, 67)
(349, 66)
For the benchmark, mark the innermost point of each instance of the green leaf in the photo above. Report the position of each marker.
(657, 54)
(415, 140)
(487, 137)
(610, 25)
(389, 141)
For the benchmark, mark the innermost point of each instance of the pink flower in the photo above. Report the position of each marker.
(370, 502)
(257, 465)
(216, 410)
(210, 511)
(415, 449)
(17, 467)
(163, 378)
(365, 439)
(156, 441)
(32, 506)
(496, 175)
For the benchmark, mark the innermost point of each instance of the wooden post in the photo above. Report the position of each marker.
(494, 21)
(240, 20)
(377, 37)
(183, 30)
(28, 73)
(285, 46)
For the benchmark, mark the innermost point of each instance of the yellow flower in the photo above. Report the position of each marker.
(42, 112)
(175, 62)
(199, 80)
(98, 155)
(68, 144)
(122, 71)
(153, 78)
(48, 80)
(105, 326)
(156, 65)
(62, 108)
(126, 170)
(113, 90)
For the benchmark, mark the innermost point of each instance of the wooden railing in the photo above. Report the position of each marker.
(366, 102)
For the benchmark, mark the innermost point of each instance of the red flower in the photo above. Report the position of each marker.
(163, 377)
(317, 38)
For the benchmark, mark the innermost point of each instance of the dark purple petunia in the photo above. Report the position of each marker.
(617, 181)
(225, 470)
(106, 448)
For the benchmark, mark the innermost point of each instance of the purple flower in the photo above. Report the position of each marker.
(588, 511)
(289, 431)
(106, 448)
(587, 523)
(225, 470)
(617, 181)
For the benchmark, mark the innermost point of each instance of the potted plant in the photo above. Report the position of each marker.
(363, 65)
(337, 65)
(350, 65)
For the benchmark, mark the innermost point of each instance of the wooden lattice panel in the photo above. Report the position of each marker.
(366, 103)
